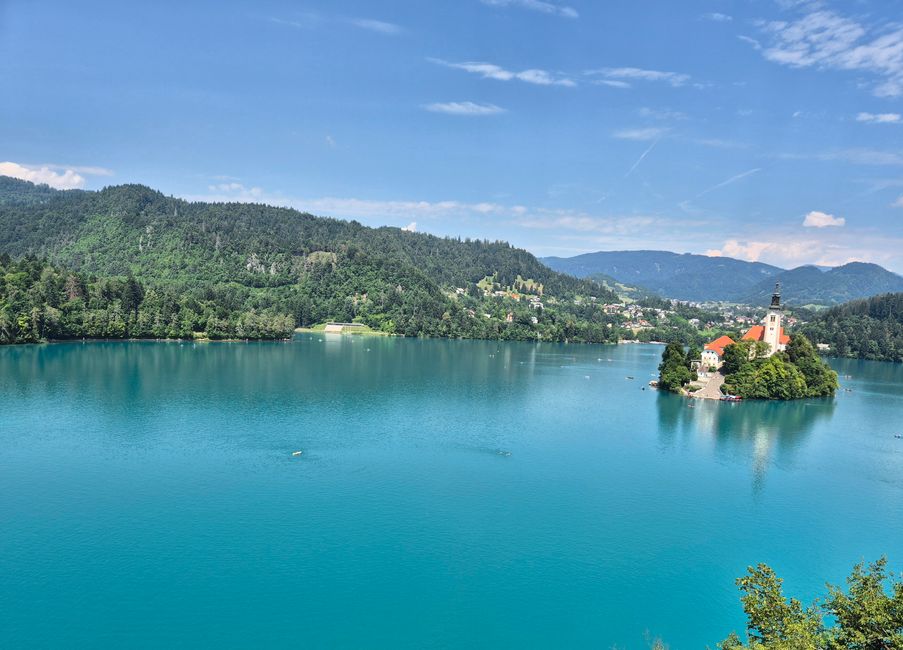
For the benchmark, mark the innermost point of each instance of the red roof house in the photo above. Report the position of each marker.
(717, 346)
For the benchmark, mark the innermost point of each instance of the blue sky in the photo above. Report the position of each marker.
(760, 129)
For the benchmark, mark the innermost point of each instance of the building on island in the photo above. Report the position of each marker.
(711, 355)
(771, 331)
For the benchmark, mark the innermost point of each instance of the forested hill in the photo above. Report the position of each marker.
(868, 329)
(809, 285)
(240, 257)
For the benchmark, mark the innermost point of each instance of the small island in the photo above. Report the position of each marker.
(765, 363)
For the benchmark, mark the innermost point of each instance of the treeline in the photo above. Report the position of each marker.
(867, 615)
(868, 329)
(40, 302)
(796, 373)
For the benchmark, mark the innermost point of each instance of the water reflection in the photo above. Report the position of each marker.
(766, 433)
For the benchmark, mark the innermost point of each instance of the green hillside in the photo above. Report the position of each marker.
(868, 329)
(225, 260)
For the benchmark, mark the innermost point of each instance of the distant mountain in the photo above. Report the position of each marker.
(810, 285)
(702, 278)
(671, 275)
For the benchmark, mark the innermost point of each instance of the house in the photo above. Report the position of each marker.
(714, 351)
(771, 331)
(509, 318)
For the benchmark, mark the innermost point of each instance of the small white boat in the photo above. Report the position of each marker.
(297, 453)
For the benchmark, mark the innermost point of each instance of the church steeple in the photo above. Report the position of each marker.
(772, 323)
(776, 296)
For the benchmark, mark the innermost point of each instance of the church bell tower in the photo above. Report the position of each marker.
(773, 321)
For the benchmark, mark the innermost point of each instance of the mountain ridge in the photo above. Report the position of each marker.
(701, 278)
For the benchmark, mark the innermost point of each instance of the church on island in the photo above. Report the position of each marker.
(771, 331)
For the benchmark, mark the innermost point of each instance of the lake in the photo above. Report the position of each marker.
(450, 494)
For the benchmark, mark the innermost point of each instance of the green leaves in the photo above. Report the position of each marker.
(865, 617)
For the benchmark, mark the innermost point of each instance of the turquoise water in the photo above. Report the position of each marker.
(450, 494)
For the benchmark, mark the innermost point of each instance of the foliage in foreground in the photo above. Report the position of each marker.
(796, 373)
(868, 615)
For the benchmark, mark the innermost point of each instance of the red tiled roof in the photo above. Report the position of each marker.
(757, 333)
(717, 346)
(754, 333)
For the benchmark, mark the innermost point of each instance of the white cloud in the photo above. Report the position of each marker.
(238, 192)
(717, 17)
(67, 179)
(465, 108)
(827, 40)
(732, 179)
(879, 118)
(614, 83)
(411, 227)
(816, 219)
(639, 74)
(492, 71)
(898, 203)
(536, 5)
(330, 141)
(378, 26)
(647, 133)
(789, 253)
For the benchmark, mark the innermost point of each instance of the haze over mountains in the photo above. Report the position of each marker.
(703, 278)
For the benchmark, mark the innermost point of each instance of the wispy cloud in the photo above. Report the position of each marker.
(661, 113)
(749, 39)
(718, 143)
(898, 203)
(816, 219)
(827, 40)
(640, 74)
(378, 26)
(729, 181)
(879, 118)
(646, 133)
(464, 108)
(614, 83)
(855, 156)
(536, 5)
(313, 20)
(717, 17)
(640, 159)
(493, 71)
(61, 177)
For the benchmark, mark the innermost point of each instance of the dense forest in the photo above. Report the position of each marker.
(868, 329)
(255, 271)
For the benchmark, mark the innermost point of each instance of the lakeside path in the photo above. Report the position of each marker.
(711, 389)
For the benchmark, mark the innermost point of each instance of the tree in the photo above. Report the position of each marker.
(865, 617)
